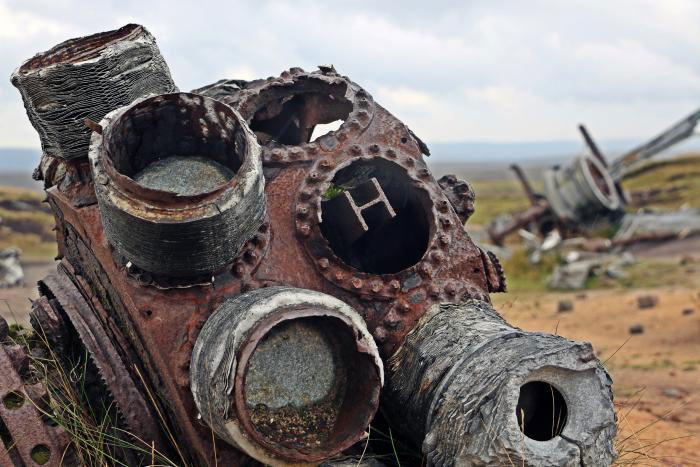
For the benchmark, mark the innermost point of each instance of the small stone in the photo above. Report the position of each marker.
(581, 296)
(647, 301)
(688, 312)
(565, 306)
(636, 329)
(673, 393)
(4, 328)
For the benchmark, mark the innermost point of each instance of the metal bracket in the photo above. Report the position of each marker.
(360, 209)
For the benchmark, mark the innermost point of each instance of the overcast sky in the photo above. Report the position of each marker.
(492, 71)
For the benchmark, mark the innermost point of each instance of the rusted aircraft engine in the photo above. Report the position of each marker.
(244, 288)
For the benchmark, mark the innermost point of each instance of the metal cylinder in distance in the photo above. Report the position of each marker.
(88, 77)
(581, 190)
(290, 376)
(179, 183)
(473, 390)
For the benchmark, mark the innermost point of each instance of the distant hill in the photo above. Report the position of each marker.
(18, 159)
(483, 160)
(16, 167)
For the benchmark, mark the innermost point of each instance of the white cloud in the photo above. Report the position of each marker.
(16, 24)
(500, 71)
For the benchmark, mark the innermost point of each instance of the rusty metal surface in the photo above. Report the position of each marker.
(131, 402)
(460, 194)
(291, 247)
(306, 430)
(161, 231)
(33, 440)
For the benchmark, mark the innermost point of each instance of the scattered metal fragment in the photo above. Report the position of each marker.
(581, 190)
(674, 135)
(654, 226)
(11, 272)
(588, 188)
(673, 393)
(579, 266)
(29, 438)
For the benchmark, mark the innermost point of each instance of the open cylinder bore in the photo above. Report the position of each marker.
(305, 375)
(179, 182)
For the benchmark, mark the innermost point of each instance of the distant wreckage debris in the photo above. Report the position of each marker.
(585, 192)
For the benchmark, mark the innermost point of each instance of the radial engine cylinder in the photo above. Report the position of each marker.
(474, 390)
(88, 77)
(290, 376)
(179, 182)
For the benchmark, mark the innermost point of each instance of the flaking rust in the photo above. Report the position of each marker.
(272, 244)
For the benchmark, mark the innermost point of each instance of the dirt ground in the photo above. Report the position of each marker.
(14, 302)
(656, 374)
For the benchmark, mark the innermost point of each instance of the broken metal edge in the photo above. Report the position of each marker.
(227, 351)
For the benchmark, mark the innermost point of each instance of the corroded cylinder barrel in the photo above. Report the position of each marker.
(581, 190)
(179, 182)
(88, 77)
(290, 376)
(473, 390)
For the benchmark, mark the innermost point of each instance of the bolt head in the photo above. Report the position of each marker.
(295, 153)
(238, 270)
(380, 334)
(250, 256)
(305, 230)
